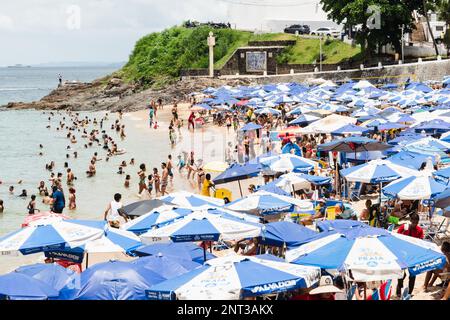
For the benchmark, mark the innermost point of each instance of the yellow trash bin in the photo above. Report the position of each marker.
(223, 193)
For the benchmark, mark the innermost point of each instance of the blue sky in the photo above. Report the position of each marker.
(37, 31)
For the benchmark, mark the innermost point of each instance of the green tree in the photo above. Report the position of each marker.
(394, 15)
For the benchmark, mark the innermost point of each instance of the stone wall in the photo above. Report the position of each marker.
(430, 70)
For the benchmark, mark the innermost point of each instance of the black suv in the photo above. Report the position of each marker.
(302, 29)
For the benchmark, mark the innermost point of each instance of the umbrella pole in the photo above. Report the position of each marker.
(379, 210)
(240, 187)
(204, 253)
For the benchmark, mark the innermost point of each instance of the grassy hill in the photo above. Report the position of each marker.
(158, 57)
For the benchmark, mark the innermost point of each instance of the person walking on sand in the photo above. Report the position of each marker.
(164, 178)
(191, 120)
(112, 212)
(207, 186)
(160, 103)
(151, 114)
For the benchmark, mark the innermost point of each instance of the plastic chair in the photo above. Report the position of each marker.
(355, 192)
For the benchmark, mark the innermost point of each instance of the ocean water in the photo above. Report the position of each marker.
(30, 84)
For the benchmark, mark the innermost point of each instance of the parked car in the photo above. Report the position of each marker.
(329, 32)
(302, 29)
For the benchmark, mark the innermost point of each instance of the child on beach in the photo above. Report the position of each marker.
(156, 179)
(72, 199)
(181, 163)
(150, 184)
(127, 181)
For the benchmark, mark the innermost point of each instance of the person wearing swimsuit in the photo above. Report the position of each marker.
(142, 175)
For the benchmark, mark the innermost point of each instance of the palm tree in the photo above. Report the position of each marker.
(425, 12)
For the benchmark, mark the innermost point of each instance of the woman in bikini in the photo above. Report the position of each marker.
(157, 181)
(142, 176)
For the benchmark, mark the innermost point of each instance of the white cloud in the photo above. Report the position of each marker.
(6, 22)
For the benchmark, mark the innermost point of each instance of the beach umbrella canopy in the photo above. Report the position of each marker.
(238, 172)
(166, 266)
(19, 286)
(414, 188)
(340, 225)
(304, 118)
(57, 277)
(443, 175)
(328, 124)
(273, 188)
(215, 166)
(250, 126)
(377, 171)
(112, 241)
(192, 201)
(203, 226)
(116, 280)
(139, 208)
(282, 233)
(297, 181)
(350, 129)
(261, 204)
(57, 235)
(179, 250)
(157, 217)
(268, 111)
(354, 144)
(433, 125)
(371, 254)
(409, 159)
(362, 84)
(287, 162)
(236, 277)
(443, 200)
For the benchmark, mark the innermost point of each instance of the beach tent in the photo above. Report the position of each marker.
(377, 171)
(116, 280)
(156, 217)
(192, 201)
(236, 277)
(328, 124)
(19, 286)
(57, 277)
(282, 233)
(370, 254)
(166, 266)
(414, 188)
(287, 162)
(180, 250)
(71, 233)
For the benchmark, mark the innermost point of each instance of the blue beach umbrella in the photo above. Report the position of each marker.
(340, 225)
(285, 233)
(443, 175)
(304, 118)
(250, 126)
(116, 280)
(157, 217)
(180, 250)
(56, 235)
(203, 226)
(192, 201)
(268, 111)
(261, 203)
(288, 162)
(57, 277)
(443, 200)
(166, 266)
(350, 129)
(436, 125)
(19, 286)
(237, 172)
(295, 181)
(414, 188)
(409, 159)
(353, 144)
(390, 126)
(377, 171)
(236, 277)
(370, 254)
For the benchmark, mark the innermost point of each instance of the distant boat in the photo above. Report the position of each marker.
(19, 66)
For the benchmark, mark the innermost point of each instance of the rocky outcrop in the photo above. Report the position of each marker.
(114, 94)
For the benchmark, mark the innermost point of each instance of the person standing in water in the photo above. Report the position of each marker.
(72, 199)
(170, 168)
(32, 205)
(142, 176)
(164, 178)
(59, 202)
(156, 179)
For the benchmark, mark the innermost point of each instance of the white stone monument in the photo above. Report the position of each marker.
(211, 44)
